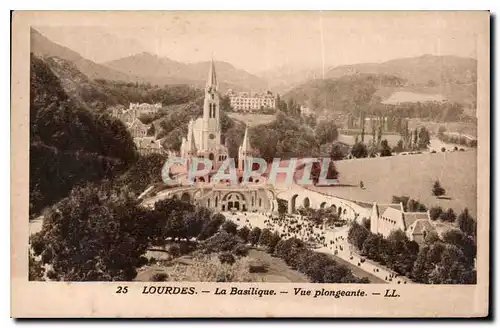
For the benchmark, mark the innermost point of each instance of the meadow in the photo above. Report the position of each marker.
(252, 119)
(413, 176)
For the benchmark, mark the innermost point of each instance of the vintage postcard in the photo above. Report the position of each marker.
(250, 164)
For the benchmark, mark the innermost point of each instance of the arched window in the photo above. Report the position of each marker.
(260, 202)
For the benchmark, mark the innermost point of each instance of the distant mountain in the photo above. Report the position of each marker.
(43, 47)
(447, 78)
(424, 70)
(162, 70)
(284, 78)
(79, 87)
(342, 94)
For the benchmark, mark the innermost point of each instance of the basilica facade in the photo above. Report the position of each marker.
(204, 134)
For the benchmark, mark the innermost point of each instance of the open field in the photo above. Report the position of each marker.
(413, 176)
(392, 139)
(458, 127)
(252, 119)
(276, 269)
(406, 96)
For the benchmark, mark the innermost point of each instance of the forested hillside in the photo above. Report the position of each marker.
(69, 144)
(100, 94)
(365, 93)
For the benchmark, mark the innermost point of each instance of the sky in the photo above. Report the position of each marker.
(261, 41)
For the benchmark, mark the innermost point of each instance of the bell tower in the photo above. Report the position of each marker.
(211, 134)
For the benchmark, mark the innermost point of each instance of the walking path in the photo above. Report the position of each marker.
(330, 240)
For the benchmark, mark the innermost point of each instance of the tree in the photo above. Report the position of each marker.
(379, 135)
(254, 235)
(96, 235)
(424, 138)
(335, 273)
(160, 276)
(274, 240)
(414, 206)
(220, 242)
(452, 268)
(466, 223)
(437, 189)
(357, 235)
(265, 237)
(36, 269)
(401, 253)
(385, 149)
(225, 103)
(399, 147)
(326, 132)
(70, 142)
(415, 138)
(230, 227)
(336, 152)
(212, 226)
(448, 216)
(226, 258)
(243, 233)
(431, 237)
(359, 150)
(435, 212)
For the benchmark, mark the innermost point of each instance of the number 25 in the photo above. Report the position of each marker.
(122, 290)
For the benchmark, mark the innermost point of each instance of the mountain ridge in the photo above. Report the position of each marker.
(163, 69)
(43, 47)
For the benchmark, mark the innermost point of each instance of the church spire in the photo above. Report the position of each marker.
(191, 144)
(245, 146)
(212, 77)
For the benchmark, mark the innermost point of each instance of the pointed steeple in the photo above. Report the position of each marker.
(245, 145)
(190, 144)
(212, 77)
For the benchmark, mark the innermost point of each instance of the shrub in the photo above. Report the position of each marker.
(160, 276)
(230, 227)
(437, 189)
(435, 212)
(226, 258)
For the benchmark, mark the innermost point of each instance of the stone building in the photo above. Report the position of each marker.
(251, 102)
(390, 217)
(137, 129)
(149, 145)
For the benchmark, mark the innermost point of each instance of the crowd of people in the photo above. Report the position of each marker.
(320, 237)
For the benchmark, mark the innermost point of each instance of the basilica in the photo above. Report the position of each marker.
(204, 141)
(204, 138)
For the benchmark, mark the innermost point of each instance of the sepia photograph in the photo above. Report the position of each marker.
(333, 150)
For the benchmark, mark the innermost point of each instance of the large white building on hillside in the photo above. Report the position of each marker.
(134, 111)
(251, 102)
